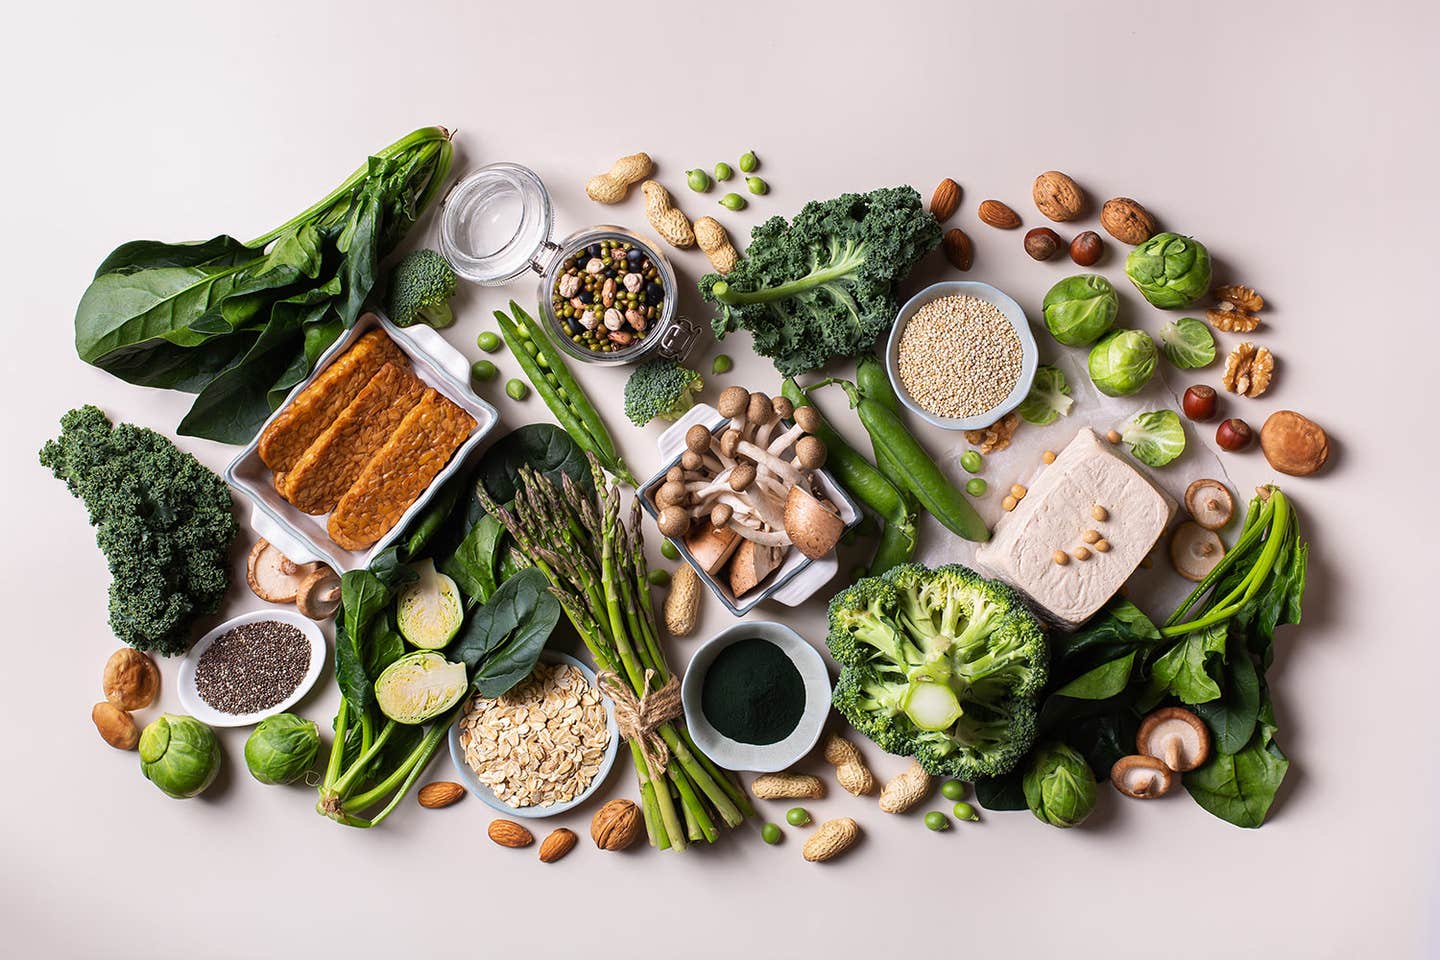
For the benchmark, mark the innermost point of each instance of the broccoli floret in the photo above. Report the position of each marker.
(660, 388)
(942, 665)
(823, 285)
(164, 522)
(421, 286)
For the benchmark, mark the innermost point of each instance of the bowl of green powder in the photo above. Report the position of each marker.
(756, 696)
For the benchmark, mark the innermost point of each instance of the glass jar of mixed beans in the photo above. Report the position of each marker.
(607, 295)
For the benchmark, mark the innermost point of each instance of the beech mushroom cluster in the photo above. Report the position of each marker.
(746, 494)
(313, 587)
(1170, 741)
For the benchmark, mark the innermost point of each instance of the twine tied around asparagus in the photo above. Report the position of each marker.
(639, 718)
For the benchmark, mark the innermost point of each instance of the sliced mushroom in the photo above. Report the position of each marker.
(711, 547)
(319, 595)
(1194, 551)
(752, 563)
(1210, 503)
(812, 526)
(1141, 777)
(1175, 736)
(272, 575)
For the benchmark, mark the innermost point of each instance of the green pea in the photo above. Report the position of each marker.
(516, 389)
(770, 833)
(952, 790)
(530, 348)
(489, 341)
(976, 487)
(669, 551)
(723, 172)
(972, 461)
(935, 820)
(658, 578)
(748, 161)
(797, 816)
(732, 201)
(483, 370)
(698, 179)
(963, 811)
(722, 364)
(757, 186)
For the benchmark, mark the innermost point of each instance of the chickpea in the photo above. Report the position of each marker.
(1060, 557)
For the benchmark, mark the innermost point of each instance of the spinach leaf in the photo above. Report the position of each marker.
(502, 639)
(1102, 682)
(383, 646)
(363, 596)
(1120, 629)
(120, 310)
(1241, 787)
(472, 565)
(1187, 670)
(1003, 793)
(1233, 715)
(543, 447)
(140, 255)
(1105, 738)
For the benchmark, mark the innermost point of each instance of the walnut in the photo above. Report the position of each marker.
(1243, 297)
(1236, 309)
(1248, 370)
(996, 436)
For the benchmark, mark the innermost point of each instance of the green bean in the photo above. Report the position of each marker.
(516, 389)
(489, 341)
(483, 370)
(748, 161)
(732, 201)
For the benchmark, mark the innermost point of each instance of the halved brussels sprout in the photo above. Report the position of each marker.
(1155, 438)
(1170, 270)
(282, 748)
(1188, 343)
(429, 611)
(180, 755)
(1049, 397)
(1080, 310)
(419, 686)
(1123, 362)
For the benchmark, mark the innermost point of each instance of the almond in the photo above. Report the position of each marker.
(999, 215)
(1127, 221)
(555, 846)
(508, 833)
(958, 249)
(945, 200)
(1057, 196)
(439, 794)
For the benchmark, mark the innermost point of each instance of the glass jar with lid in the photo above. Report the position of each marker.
(497, 223)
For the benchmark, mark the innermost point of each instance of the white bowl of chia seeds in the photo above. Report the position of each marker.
(251, 667)
(961, 354)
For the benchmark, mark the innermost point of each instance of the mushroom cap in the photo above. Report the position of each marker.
(1175, 736)
(721, 514)
(760, 410)
(811, 526)
(810, 451)
(319, 595)
(729, 442)
(742, 476)
(698, 438)
(733, 401)
(674, 521)
(671, 493)
(1194, 551)
(1293, 443)
(676, 472)
(1141, 777)
(690, 460)
(783, 408)
(272, 575)
(807, 418)
(1209, 503)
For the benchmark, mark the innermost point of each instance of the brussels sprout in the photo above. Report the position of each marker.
(1080, 310)
(282, 748)
(1123, 362)
(180, 755)
(1059, 787)
(1155, 438)
(1188, 343)
(419, 686)
(1170, 270)
(1049, 397)
(429, 611)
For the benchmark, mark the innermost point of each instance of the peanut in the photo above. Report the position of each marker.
(906, 790)
(713, 239)
(624, 173)
(849, 766)
(832, 839)
(682, 605)
(787, 786)
(672, 225)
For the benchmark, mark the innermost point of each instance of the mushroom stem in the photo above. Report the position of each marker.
(784, 470)
(1172, 753)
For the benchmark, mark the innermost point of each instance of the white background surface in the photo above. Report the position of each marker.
(1297, 140)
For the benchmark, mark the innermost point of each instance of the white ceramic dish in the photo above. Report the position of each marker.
(484, 794)
(1029, 352)
(202, 711)
(798, 577)
(304, 538)
(770, 757)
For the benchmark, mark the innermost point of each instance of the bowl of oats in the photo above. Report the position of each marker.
(542, 748)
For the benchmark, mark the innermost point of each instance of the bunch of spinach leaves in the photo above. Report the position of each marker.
(239, 324)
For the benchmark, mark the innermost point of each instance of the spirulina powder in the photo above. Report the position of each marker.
(753, 693)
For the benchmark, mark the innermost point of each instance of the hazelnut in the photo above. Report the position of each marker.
(1086, 248)
(1234, 434)
(1042, 243)
(1199, 402)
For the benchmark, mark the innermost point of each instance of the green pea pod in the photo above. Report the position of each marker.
(569, 389)
(874, 383)
(896, 546)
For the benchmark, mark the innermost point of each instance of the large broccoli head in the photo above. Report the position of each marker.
(420, 290)
(660, 388)
(941, 665)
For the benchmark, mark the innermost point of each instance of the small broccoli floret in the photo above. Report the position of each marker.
(660, 388)
(420, 290)
(941, 665)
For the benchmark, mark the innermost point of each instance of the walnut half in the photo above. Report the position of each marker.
(996, 436)
(1236, 309)
(1248, 370)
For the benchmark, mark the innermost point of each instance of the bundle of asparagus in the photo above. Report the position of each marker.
(596, 567)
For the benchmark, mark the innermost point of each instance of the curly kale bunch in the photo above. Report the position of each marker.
(823, 285)
(163, 520)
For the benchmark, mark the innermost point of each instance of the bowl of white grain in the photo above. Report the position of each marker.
(961, 354)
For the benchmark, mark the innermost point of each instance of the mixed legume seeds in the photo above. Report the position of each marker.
(608, 296)
(253, 667)
(959, 356)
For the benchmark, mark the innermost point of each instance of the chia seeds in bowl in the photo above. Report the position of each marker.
(252, 667)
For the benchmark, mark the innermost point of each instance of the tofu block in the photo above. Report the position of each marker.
(1056, 513)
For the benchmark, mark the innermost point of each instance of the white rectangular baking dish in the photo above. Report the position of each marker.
(303, 537)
